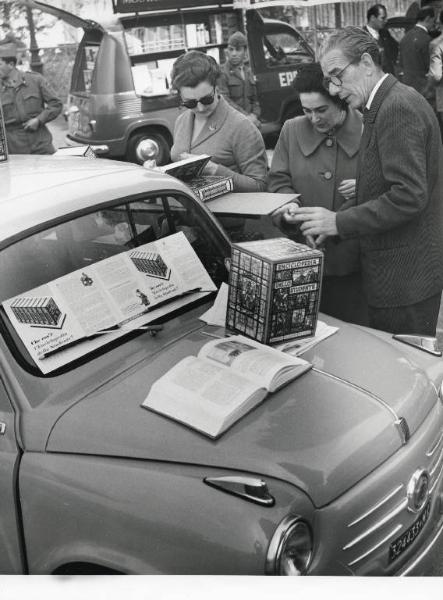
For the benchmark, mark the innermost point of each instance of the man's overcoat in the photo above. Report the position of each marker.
(399, 211)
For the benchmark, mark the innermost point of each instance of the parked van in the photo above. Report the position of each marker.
(121, 90)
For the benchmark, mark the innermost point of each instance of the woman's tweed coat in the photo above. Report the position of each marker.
(232, 140)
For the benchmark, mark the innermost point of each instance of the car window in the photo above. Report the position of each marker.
(86, 239)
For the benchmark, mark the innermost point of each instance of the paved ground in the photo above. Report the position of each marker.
(59, 128)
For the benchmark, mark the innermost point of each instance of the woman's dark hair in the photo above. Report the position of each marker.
(193, 68)
(309, 79)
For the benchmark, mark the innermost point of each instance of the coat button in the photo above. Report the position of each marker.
(328, 175)
(329, 142)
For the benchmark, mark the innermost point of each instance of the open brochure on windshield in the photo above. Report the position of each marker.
(228, 378)
(74, 314)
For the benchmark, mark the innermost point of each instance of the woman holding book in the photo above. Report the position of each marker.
(316, 157)
(211, 126)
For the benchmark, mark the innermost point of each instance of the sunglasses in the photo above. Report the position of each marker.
(205, 100)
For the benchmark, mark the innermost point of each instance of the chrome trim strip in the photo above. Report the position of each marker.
(437, 463)
(423, 554)
(430, 452)
(383, 541)
(431, 489)
(377, 525)
(374, 508)
(360, 389)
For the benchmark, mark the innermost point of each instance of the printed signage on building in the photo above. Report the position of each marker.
(245, 4)
(125, 6)
(3, 142)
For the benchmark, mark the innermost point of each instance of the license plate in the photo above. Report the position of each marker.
(406, 539)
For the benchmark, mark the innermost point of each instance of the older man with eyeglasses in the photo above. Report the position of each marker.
(398, 217)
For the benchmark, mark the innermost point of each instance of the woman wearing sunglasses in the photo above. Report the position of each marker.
(211, 126)
(316, 156)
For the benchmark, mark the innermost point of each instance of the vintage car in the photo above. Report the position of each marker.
(337, 473)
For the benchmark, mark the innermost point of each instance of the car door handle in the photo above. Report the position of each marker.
(2, 428)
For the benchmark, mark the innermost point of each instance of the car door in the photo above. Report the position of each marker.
(11, 558)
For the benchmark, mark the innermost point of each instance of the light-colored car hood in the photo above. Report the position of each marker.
(323, 432)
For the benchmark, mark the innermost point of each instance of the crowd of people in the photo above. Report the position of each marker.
(365, 157)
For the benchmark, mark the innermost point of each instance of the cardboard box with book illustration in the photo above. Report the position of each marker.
(274, 290)
(190, 171)
(228, 378)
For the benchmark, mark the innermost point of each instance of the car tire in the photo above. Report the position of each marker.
(157, 138)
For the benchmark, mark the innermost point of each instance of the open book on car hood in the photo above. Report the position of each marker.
(323, 432)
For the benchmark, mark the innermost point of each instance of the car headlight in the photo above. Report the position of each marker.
(290, 549)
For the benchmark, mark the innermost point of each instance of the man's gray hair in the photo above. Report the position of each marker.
(353, 42)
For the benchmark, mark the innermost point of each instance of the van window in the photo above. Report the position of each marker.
(154, 44)
(85, 63)
(284, 48)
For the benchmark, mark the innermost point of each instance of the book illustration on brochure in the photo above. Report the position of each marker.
(229, 377)
(190, 171)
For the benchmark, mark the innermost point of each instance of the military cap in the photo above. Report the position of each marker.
(8, 50)
(237, 39)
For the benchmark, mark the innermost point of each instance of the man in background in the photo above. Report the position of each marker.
(376, 18)
(28, 104)
(237, 83)
(414, 50)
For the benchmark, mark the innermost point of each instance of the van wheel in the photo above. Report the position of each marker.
(158, 142)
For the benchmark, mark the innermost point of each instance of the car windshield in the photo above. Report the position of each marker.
(70, 277)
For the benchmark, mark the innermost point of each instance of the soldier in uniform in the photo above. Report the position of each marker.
(28, 104)
(237, 83)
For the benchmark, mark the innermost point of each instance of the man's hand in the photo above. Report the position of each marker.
(283, 216)
(316, 221)
(32, 124)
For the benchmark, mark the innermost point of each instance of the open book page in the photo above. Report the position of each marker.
(297, 347)
(186, 169)
(269, 368)
(122, 292)
(203, 394)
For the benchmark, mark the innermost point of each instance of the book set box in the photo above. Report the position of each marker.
(274, 290)
(204, 187)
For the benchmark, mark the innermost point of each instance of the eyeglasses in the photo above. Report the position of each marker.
(336, 79)
(205, 100)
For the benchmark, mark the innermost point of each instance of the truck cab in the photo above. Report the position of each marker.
(121, 93)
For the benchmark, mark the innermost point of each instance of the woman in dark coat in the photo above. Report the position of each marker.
(316, 157)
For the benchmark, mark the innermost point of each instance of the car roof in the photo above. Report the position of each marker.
(37, 189)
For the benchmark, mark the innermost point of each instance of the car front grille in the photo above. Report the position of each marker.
(371, 532)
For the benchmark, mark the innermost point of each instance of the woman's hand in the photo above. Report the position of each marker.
(347, 189)
(209, 169)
